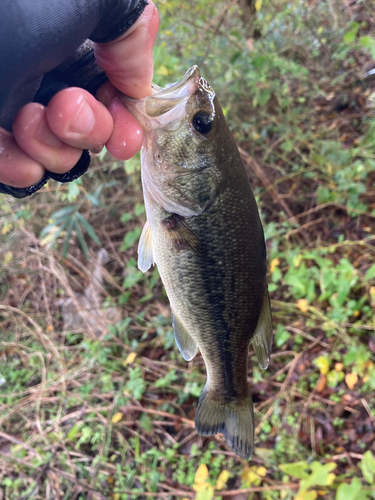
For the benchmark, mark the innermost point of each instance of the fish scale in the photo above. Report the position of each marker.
(204, 233)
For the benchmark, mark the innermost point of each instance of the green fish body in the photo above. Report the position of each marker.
(204, 233)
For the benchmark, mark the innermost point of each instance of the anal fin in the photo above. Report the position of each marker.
(145, 249)
(263, 335)
(185, 343)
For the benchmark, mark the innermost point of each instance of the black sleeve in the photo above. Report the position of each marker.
(44, 48)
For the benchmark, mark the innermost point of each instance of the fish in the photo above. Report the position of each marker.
(204, 233)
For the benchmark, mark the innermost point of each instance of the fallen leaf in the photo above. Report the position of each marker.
(117, 417)
(222, 480)
(274, 264)
(200, 476)
(351, 379)
(323, 364)
(321, 384)
(262, 471)
(303, 305)
(131, 357)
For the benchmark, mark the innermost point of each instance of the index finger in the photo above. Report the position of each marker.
(127, 60)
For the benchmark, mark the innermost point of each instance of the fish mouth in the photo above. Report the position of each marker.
(166, 99)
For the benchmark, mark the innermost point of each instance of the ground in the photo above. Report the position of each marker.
(102, 406)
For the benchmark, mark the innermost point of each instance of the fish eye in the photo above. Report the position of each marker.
(202, 122)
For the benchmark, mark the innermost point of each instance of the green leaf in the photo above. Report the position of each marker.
(351, 35)
(264, 96)
(64, 211)
(73, 191)
(74, 431)
(145, 422)
(298, 469)
(89, 229)
(320, 476)
(81, 239)
(370, 273)
(130, 238)
(367, 465)
(68, 234)
(349, 491)
(367, 42)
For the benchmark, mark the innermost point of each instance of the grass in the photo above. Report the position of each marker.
(105, 409)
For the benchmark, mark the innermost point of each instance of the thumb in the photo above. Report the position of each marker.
(127, 61)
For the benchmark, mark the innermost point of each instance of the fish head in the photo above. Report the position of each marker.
(183, 125)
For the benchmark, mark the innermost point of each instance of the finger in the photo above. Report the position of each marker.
(35, 137)
(78, 119)
(127, 60)
(127, 136)
(17, 169)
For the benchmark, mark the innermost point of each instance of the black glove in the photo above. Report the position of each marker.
(43, 49)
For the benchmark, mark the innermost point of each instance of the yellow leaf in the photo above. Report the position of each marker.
(250, 477)
(117, 417)
(303, 305)
(323, 364)
(274, 264)
(261, 471)
(168, 32)
(258, 5)
(307, 495)
(320, 30)
(222, 480)
(163, 70)
(116, 496)
(206, 492)
(129, 360)
(330, 478)
(351, 379)
(201, 475)
(7, 227)
(7, 258)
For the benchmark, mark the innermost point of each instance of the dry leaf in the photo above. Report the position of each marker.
(321, 384)
(351, 379)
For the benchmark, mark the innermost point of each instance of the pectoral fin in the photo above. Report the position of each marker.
(145, 249)
(185, 343)
(262, 338)
(181, 235)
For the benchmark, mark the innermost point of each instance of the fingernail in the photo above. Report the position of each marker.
(84, 120)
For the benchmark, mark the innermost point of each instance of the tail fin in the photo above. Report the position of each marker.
(235, 420)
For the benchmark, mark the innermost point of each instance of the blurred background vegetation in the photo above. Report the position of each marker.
(95, 400)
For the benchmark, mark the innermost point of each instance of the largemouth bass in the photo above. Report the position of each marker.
(204, 233)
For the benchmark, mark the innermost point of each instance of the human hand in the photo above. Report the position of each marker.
(52, 137)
